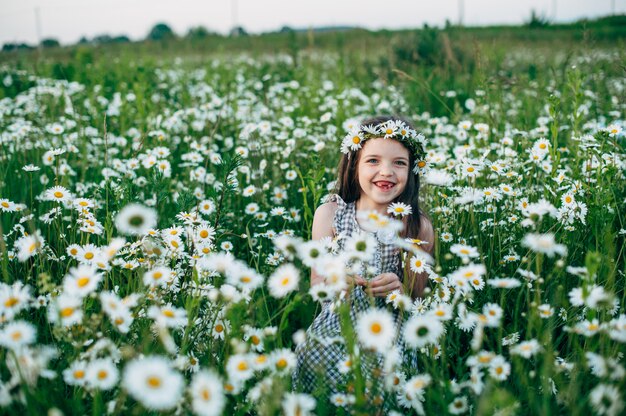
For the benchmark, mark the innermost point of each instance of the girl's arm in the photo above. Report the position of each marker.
(322, 227)
(418, 281)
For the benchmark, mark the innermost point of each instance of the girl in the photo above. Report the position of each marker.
(380, 165)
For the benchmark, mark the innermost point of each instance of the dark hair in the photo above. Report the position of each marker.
(348, 188)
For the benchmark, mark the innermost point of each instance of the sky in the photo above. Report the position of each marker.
(68, 20)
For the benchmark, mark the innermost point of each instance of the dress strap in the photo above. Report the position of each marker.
(339, 226)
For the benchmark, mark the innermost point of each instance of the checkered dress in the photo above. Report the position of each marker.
(318, 358)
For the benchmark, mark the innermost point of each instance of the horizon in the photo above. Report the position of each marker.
(31, 22)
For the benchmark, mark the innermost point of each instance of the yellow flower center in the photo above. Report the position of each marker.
(58, 194)
(78, 374)
(282, 363)
(10, 302)
(356, 140)
(82, 282)
(206, 395)
(154, 382)
(89, 255)
(204, 233)
(376, 328)
(169, 313)
(67, 312)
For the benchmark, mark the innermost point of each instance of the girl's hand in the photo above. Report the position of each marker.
(356, 280)
(384, 283)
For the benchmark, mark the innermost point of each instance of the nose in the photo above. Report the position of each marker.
(385, 169)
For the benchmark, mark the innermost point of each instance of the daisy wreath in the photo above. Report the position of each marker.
(391, 129)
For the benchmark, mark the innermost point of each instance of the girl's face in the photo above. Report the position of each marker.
(382, 171)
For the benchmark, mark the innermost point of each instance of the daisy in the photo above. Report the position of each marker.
(389, 129)
(252, 208)
(441, 311)
(255, 336)
(7, 206)
(82, 204)
(399, 209)
(544, 243)
(526, 349)
(168, 316)
(81, 281)
(284, 280)
(244, 277)
(217, 262)
(13, 299)
(57, 194)
(153, 383)
(283, 360)
(352, 141)
(248, 191)
(17, 334)
(121, 320)
(206, 207)
(464, 251)
(75, 374)
(66, 310)
(322, 292)
(135, 219)
(418, 262)
(458, 406)
(376, 329)
(220, 327)
(207, 394)
(239, 367)
(298, 404)
(545, 311)
(499, 368)
(493, 314)
(467, 273)
(28, 246)
(310, 251)
(360, 246)
(420, 331)
(102, 374)
(617, 328)
(157, 277)
(606, 400)
(416, 385)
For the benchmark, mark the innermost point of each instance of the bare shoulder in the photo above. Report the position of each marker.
(427, 233)
(323, 220)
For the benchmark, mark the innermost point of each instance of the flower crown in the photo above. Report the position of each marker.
(391, 129)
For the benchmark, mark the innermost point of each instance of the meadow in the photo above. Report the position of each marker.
(156, 203)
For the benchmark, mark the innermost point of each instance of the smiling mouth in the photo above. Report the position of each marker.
(384, 185)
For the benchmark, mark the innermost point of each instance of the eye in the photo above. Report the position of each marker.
(400, 163)
(371, 161)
